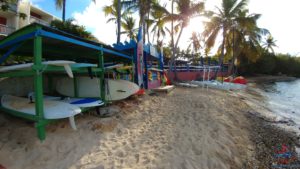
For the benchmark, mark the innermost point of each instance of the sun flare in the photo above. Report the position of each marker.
(195, 25)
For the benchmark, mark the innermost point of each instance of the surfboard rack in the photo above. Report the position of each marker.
(45, 43)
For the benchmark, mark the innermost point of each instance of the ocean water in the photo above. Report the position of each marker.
(283, 98)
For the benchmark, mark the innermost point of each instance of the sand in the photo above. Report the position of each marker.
(187, 128)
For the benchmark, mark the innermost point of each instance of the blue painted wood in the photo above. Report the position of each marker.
(9, 52)
(67, 39)
(78, 42)
(18, 39)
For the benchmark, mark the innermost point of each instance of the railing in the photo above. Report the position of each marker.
(11, 6)
(6, 30)
(37, 20)
(190, 68)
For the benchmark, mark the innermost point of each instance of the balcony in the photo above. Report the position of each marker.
(37, 20)
(12, 6)
(6, 30)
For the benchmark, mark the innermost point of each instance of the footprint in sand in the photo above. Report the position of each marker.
(146, 160)
(120, 154)
(196, 150)
(169, 148)
(137, 158)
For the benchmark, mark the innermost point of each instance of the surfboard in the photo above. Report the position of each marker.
(124, 68)
(87, 87)
(52, 109)
(114, 66)
(80, 102)
(80, 65)
(155, 69)
(64, 63)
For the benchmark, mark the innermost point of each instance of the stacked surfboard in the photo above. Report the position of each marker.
(69, 106)
(90, 87)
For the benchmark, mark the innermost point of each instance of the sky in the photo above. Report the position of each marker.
(279, 17)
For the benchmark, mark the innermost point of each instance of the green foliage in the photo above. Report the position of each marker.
(238, 28)
(6, 5)
(128, 24)
(272, 64)
(77, 30)
(22, 15)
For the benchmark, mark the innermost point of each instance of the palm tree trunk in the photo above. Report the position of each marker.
(64, 11)
(233, 53)
(222, 53)
(119, 22)
(148, 36)
(172, 60)
(181, 30)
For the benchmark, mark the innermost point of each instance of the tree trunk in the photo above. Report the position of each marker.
(233, 54)
(181, 30)
(119, 22)
(64, 11)
(172, 60)
(175, 47)
(222, 53)
(148, 36)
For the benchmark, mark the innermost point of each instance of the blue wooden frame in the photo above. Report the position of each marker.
(132, 45)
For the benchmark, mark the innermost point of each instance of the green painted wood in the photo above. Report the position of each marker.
(23, 73)
(19, 114)
(38, 86)
(101, 75)
(19, 33)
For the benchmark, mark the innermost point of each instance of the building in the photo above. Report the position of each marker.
(10, 20)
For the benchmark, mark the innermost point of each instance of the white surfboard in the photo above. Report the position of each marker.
(114, 66)
(87, 87)
(64, 63)
(52, 109)
(80, 102)
(80, 65)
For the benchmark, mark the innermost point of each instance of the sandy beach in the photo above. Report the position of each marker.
(187, 128)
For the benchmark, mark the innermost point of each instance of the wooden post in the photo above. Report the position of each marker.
(38, 87)
(101, 75)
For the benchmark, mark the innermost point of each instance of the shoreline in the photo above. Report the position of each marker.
(269, 78)
(267, 131)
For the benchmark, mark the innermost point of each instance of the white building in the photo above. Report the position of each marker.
(10, 20)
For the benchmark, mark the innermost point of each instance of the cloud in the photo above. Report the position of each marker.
(35, 2)
(94, 20)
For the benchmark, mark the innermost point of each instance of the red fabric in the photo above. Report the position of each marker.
(168, 81)
(227, 79)
(140, 92)
(240, 80)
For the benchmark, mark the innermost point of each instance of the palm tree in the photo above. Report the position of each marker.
(186, 9)
(159, 23)
(195, 42)
(116, 15)
(270, 44)
(128, 24)
(240, 34)
(143, 7)
(223, 20)
(61, 4)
